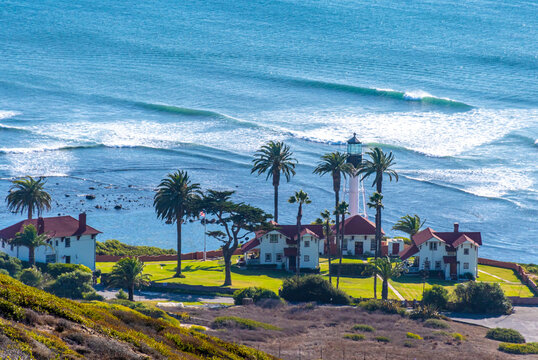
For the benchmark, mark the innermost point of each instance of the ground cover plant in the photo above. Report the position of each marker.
(363, 327)
(506, 335)
(386, 306)
(436, 324)
(411, 335)
(234, 321)
(36, 324)
(354, 337)
(520, 349)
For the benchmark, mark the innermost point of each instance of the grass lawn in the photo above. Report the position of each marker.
(211, 273)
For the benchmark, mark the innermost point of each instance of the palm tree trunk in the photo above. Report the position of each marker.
(341, 250)
(178, 225)
(131, 292)
(276, 203)
(385, 289)
(227, 267)
(336, 202)
(31, 255)
(298, 260)
(328, 228)
(377, 230)
(30, 212)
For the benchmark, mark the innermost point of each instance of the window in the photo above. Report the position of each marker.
(11, 247)
(352, 237)
(466, 265)
(93, 237)
(67, 242)
(372, 245)
(56, 242)
(307, 243)
(68, 259)
(365, 237)
(279, 257)
(427, 265)
(465, 251)
(433, 246)
(306, 258)
(3, 244)
(267, 257)
(273, 238)
(437, 265)
(50, 258)
(344, 244)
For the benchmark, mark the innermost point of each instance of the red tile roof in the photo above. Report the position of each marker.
(408, 252)
(250, 244)
(59, 226)
(357, 225)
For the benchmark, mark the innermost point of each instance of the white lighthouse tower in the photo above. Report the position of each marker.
(356, 186)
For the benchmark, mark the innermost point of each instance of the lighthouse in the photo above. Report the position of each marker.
(356, 187)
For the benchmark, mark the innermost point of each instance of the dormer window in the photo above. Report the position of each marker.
(433, 246)
(306, 243)
(465, 251)
(67, 242)
(273, 238)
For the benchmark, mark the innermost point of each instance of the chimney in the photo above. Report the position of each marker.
(81, 222)
(40, 225)
(456, 227)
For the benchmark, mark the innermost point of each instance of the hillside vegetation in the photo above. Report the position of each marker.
(36, 324)
(117, 248)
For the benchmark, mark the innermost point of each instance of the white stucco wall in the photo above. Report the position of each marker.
(471, 258)
(81, 251)
(273, 249)
(366, 243)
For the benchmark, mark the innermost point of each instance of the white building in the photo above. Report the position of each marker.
(359, 236)
(454, 253)
(278, 248)
(71, 240)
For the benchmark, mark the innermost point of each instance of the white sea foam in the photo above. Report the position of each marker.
(8, 114)
(491, 182)
(416, 95)
(431, 133)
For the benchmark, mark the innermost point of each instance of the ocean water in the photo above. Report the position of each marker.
(107, 97)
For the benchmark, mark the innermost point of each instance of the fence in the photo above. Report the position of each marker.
(187, 256)
(517, 268)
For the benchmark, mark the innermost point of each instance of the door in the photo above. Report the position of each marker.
(359, 249)
(395, 248)
(291, 262)
(453, 270)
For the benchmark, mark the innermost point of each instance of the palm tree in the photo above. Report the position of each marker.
(409, 225)
(175, 200)
(341, 210)
(274, 158)
(129, 273)
(301, 198)
(376, 201)
(335, 164)
(32, 240)
(379, 164)
(326, 221)
(387, 270)
(28, 193)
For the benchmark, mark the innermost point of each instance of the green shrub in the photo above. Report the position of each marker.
(468, 276)
(363, 327)
(386, 306)
(31, 277)
(11, 264)
(383, 339)
(410, 335)
(57, 269)
(72, 284)
(436, 297)
(92, 295)
(481, 297)
(354, 337)
(458, 336)
(122, 295)
(425, 312)
(9, 310)
(528, 348)
(435, 324)
(255, 293)
(410, 344)
(312, 288)
(117, 248)
(234, 321)
(197, 328)
(4, 272)
(353, 269)
(505, 335)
